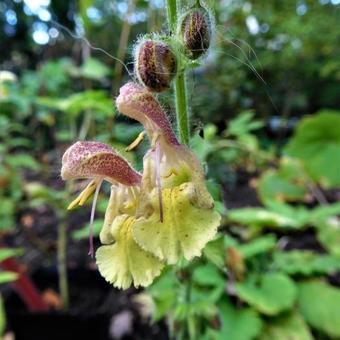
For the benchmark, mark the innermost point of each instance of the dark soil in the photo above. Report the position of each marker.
(95, 313)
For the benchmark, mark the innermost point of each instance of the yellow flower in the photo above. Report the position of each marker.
(121, 261)
(153, 218)
(175, 214)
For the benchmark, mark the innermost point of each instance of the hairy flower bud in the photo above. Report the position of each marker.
(195, 29)
(156, 65)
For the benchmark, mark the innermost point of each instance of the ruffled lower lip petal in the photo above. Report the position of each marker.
(97, 160)
(124, 263)
(186, 228)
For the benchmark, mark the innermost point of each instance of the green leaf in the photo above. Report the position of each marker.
(273, 293)
(164, 293)
(317, 143)
(203, 301)
(83, 233)
(237, 324)
(260, 217)
(214, 252)
(299, 214)
(6, 253)
(286, 327)
(93, 100)
(243, 124)
(319, 304)
(22, 161)
(257, 246)
(208, 275)
(201, 146)
(94, 69)
(6, 277)
(274, 186)
(328, 234)
(325, 211)
(7, 213)
(298, 262)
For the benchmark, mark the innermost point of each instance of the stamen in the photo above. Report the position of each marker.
(87, 192)
(91, 248)
(83, 196)
(136, 142)
(158, 178)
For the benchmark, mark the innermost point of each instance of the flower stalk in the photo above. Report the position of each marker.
(180, 93)
(182, 109)
(172, 14)
(62, 267)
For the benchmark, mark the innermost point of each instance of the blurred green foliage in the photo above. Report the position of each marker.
(247, 285)
(250, 265)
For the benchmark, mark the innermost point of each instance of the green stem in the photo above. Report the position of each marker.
(85, 126)
(182, 108)
(62, 268)
(180, 84)
(172, 15)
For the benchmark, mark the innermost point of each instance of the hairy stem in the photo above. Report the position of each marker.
(180, 84)
(182, 108)
(172, 15)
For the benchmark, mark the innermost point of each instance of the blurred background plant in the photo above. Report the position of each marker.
(265, 122)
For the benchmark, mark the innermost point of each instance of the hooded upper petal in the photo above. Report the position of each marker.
(138, 103)
(97, 160)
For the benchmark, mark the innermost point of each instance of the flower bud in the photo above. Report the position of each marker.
(195, 29)
(156, 65)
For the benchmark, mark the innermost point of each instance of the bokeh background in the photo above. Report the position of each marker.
(265, 121)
